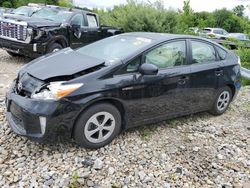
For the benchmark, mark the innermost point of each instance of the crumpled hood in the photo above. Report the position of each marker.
(65, 62)
(33, 22)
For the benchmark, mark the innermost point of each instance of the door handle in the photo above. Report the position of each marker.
(182, 80)
(219, 72)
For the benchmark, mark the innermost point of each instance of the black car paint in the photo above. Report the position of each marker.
(62, 33)
(62, 59)
(141, 99)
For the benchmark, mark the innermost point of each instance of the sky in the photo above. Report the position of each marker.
(197, 5)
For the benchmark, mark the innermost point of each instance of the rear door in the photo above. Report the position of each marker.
(94, 32)
(206, 74)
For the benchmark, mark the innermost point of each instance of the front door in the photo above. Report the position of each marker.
(78, 32)
(163, 95)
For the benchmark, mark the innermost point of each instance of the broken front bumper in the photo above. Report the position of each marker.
(30, 50)
(42, 120)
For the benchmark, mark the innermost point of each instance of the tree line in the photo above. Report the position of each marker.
(18, 3)
(153, 17)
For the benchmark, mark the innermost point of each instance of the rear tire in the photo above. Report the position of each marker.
(54, 48)
(222, 101)
(97, 126)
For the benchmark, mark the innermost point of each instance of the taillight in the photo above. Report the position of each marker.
(239, 62)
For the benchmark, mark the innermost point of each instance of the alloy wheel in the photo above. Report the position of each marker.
(223, 100)
(99, 127)
(56, 50)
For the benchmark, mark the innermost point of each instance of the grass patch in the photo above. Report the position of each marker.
(172, 123)
(75, 183)
(147, 132)
(246, 106)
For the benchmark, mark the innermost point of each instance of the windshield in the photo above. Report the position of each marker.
(26, 11)
(115, 48)
(52, 14)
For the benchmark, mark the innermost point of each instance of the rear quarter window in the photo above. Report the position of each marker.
(206, 30)
(221, 53)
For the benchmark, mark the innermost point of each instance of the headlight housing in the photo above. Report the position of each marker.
(55, 91)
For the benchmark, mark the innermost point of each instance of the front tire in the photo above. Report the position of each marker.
(97, 126)
(54, 48)
(222, 101)
(13, 54)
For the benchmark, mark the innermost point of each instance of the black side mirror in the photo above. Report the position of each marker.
(148, 69)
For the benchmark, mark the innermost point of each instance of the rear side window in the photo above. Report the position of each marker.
(206, 30)
(216, 31)
(92, 20)
(202, 52)
(221, 53)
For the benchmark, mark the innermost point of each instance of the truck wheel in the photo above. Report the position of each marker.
(97, 126)
(54, 48)
(13, 54)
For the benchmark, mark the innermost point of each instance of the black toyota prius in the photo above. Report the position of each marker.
(93, 93)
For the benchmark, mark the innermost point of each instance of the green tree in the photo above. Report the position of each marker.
(187, 9)
(239, 10)
(186, 18)
(140, 17)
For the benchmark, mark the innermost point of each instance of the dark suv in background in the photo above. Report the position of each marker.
(50, 29)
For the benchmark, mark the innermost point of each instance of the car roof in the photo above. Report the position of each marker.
(212, 28)
(76, 10)
(158, 37)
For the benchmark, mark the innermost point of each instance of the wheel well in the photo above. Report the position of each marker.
(62, 42)
(116, 103)
(232, 87)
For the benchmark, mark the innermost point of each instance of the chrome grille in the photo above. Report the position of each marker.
(13, 31)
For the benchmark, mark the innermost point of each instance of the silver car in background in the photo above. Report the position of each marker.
(217, 33)
(240, 36)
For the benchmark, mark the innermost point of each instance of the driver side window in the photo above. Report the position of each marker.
(168, 55)
(77, 20)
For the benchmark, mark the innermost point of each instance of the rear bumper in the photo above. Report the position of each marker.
(42, 120)
(30, 50)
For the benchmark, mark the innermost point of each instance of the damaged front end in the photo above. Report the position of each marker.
(33, 114)
(41, 103)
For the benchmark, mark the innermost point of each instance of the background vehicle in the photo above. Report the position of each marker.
(27, 10)
(50, 29)
(94, 92)
(5, 10)
(240, 36)
(216, 33)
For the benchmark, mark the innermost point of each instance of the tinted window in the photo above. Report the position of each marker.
(92, 21)
(218, 32)
(168, 55)
(77, 20)
(133, 66)
(221, 53)
(206, 30)
(202, 52)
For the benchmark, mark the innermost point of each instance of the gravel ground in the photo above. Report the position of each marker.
(194, 151)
